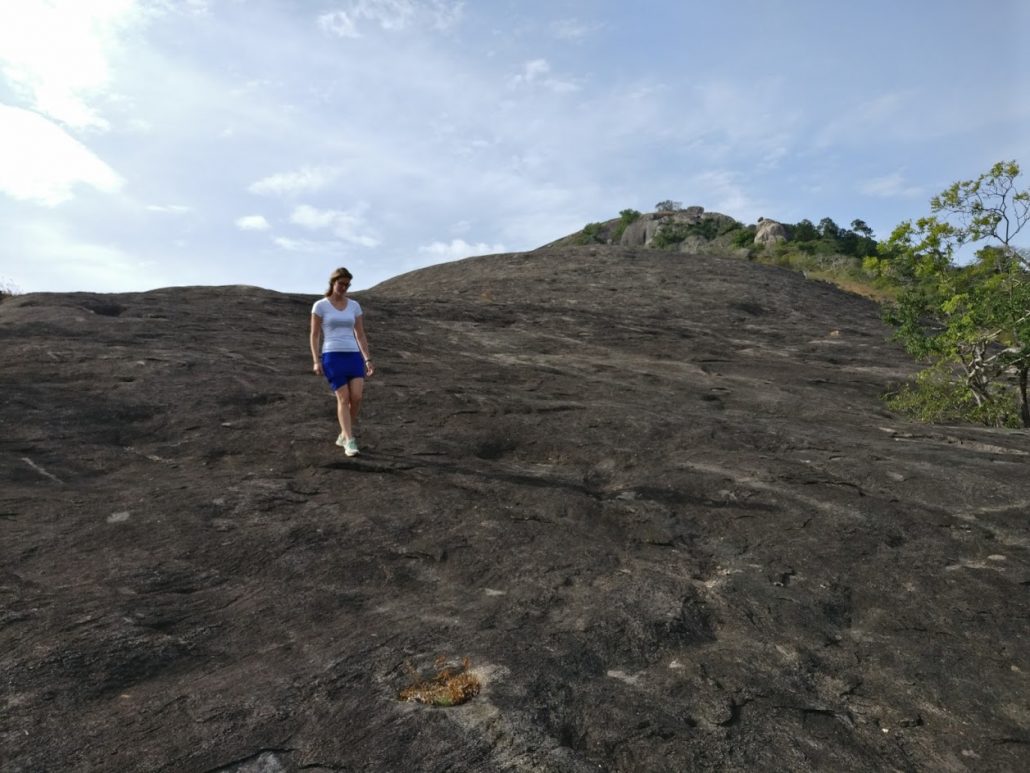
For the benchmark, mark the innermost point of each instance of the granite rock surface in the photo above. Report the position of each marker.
(654, 498)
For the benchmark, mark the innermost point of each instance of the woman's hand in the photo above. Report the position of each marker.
(317, 368)
(370, 369)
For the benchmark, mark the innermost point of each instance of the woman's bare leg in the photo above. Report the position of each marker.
(344, 410)
(357, 392)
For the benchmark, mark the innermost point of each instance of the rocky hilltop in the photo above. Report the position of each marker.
(654, 499)
(689, 230)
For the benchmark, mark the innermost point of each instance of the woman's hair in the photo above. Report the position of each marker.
(340, 273)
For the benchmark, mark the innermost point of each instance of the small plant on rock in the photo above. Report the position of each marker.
(745, 237)
(447, 688)
(592, 233)
(626, 217)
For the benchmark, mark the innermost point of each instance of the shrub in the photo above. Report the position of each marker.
(592, 233)
(670, 235)
(708, 229)
(745, 237)
(626, 217)
(668, 206)
(938, 397)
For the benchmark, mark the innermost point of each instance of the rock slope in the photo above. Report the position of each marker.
(654, 498)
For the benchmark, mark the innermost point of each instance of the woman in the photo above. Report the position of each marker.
(339, 350)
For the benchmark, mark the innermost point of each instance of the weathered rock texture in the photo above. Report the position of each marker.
(769, 232)
(655, 498)
(642, 231)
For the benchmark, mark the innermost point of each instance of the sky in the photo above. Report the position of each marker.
(155, 143)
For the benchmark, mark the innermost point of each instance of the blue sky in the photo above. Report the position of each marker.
(149, 143)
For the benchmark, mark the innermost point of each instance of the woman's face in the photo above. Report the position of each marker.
(340, 285)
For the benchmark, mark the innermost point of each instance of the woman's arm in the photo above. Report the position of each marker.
(359, 335)
(316, 343)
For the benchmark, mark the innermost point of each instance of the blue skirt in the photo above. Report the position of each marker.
(341, 367)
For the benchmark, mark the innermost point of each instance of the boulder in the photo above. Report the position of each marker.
(641, 232)
(770, 231)
(721, 219)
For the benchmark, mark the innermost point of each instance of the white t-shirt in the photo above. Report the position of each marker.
(338, 326)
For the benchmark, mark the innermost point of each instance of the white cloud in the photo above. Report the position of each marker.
(197, 7)
(171, 209)
(57, 53)
(459, 248)
(445, 14)
(306, 245)
(306, 180)
(886, 115)
(309, 217)
(538, 72)
(60, 259)
(252, 223)
(139, 126)
(890, 186)
(348, 225)
(573, 29)
(719, 190)
(727, 119)
(339, 23)
(41, 162)
(389, 15)
(534, 69)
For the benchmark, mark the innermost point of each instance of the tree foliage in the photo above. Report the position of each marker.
(668, 206)
(861, 228)
(828, 229)
(672, 234)
(969, 323)
(745, 237)
(592, 233)
(626, 218)
(804, 231)
(828, 238)
(988, 207)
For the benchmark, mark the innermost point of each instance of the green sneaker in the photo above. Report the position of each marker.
(341, 441)
(351, 447)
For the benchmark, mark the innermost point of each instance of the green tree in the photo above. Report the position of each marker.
(971, 323)
(828, 229)
(668, 206)
(988, 207)
(805, 231)
(744, 237)
(860, 227)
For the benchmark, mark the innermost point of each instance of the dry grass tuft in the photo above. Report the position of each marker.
(448, 688)
(857, 287)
